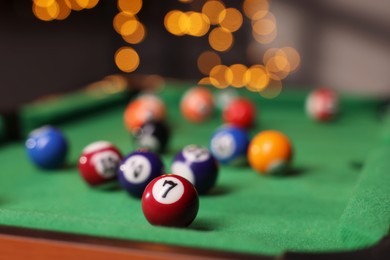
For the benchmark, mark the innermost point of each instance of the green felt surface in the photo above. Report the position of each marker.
(316, 208)
(60, 108)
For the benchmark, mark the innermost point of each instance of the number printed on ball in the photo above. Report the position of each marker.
(223, 145)
(195, 153)
(137, 169)
(168, 190)
(106, 163)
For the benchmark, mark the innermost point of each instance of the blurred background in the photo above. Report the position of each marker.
(57, 46)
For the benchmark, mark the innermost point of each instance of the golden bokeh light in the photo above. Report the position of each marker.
(255, 9)
(239, 75)
(46, 13)
(64, 9)
(212, 9)
(271, 52)
(278, 67)
(263, 26)
(204, 81)
(87, 4)
(198, 24)
(221, 76)
(281, 62)
(273, 89)
(127, 59)
(129, 27)
(293, 58)
(258, 78)
(130, 6)
(185, 1)
(230, 19)
(172, 22)
(220, 39)
(264, 30)
(207, 60)
(44, 3)
(265, 39)
(120, 19)
(137, 36)
(74, 5)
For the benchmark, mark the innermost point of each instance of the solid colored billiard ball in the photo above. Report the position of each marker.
(47, 147)
(270, 152)
(198, 165)
(99, 162)
(229, 145)
(170, 200)
(197, 104)
(322, 104)
(153, 135)
(137, 169)
(240, 112)
(143, 109)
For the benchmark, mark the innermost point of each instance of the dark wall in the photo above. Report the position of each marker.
(38, 58)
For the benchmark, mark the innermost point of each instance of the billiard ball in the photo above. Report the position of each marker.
(47, 147)
(170, 200)
(197, 104)
(240, 112)
(198, 165)
(223, 97)
(153, 135)
(99, 162)
(270, 152)
(322, 104)
(144, 108)
(137, 169)
(229, 145)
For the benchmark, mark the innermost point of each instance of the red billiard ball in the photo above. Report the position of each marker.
(170, 200)
(99, 162)
(197, 104)
(322, 104)
(240, 112)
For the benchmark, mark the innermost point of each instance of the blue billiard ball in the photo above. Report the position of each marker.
(137, 169)
(229, 145)
(47, 147)
(198, 165)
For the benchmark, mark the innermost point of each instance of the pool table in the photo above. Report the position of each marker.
(333, 203)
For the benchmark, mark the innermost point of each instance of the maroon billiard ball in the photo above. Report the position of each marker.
(322, 104)
(99, 162)
(170, 200)
(240, 112)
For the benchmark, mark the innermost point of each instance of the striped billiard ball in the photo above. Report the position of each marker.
(98, 163)
(137, 169)
(322, 104)
(229, 145)
(198, 165)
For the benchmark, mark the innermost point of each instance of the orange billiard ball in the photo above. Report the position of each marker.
(270, 152)
(197, 104)
(145, 108)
